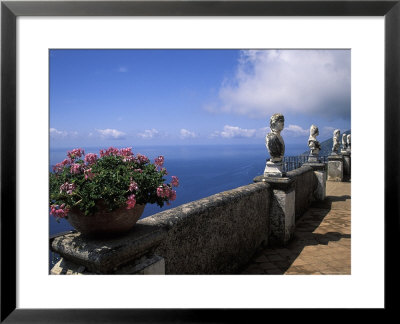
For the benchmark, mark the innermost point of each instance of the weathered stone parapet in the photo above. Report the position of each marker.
(321, 176)
(335, 167)
(282, 212)
(305, 186)
(217, 234)
(214, 235)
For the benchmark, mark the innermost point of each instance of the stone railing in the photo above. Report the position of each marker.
(294, 162)
(215, 235)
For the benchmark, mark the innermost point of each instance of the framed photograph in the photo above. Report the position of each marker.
(48, 46)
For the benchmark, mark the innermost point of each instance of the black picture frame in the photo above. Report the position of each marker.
(10, 10)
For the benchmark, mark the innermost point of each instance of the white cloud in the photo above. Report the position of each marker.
(234, 132)
(149, 133)
(187, 134)
(315, 82)
(110, 133)
(55, 133)
(295, 130)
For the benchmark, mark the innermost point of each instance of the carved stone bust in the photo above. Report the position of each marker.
(336, 139)
(274, 140)
(349, 142)
(313, 144)
(344, 141)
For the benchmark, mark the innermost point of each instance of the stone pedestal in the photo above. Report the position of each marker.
(335, 167)
(321, 175)
(282, 210)
(273, 169)
(346, 166)
(313, 159)
(127, 254)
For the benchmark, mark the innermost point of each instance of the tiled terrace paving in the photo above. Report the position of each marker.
(321, 243)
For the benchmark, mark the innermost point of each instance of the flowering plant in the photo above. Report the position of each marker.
(117, 177)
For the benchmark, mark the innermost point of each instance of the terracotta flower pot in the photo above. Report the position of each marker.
(104, 222)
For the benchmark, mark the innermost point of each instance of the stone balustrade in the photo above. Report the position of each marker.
(215, 235)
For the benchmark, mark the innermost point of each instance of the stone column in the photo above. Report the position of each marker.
(320, 173)
(346, 166)
(282, 210)
(335, 167)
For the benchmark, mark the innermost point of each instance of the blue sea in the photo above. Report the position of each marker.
(203, 170)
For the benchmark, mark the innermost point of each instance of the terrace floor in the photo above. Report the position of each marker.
(321, 243)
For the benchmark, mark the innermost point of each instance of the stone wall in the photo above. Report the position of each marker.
(213, 235)
(216, 234)
(305, 183)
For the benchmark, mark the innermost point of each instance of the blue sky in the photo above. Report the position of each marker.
(167, 97)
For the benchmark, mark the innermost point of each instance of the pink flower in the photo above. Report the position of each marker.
(165, 191)
(76, 168)
(133, 186)
(160, 192)
(131, 202)
(89, 174)
(159, 161)
(164, 170)
(128, 158)
(142, 158)
(175, 181)
(57, 168)
(126, 151)
(138, 170)
(172, 195)
(71, 188)
(75, 153)
(110, 151)
(90, 158)
(52, 209)
(59, 211)
(62, 213)
(60, 166)
(68, 188)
